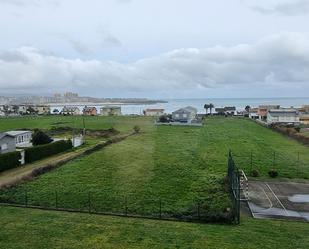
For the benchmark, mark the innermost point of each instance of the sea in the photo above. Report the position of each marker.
(174, 104)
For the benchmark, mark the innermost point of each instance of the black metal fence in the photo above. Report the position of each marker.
(293, 165)
(97, 203)
(234, 187)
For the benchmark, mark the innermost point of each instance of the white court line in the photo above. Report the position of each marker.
(277, 199)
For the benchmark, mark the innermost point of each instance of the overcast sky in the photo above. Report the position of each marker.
(155, 48)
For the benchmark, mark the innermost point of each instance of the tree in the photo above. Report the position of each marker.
(206, 107)
(211, 106)
(15, 108)
(39, 138)
(247, 108)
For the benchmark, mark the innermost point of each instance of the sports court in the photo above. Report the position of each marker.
(281, 200)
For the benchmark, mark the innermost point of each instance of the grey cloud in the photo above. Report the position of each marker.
(292, 8)
(108, 40)
(282, 58)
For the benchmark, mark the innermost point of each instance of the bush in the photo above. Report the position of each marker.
(273, 173)
(136, 129)
(39, 138)
(9, 160)
(42, 151)
(255, 173)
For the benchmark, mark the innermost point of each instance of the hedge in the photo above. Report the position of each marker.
(9, 160)
(42, 151)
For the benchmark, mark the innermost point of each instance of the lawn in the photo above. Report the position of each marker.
(177, 170)
(26, 228)
(121, 123)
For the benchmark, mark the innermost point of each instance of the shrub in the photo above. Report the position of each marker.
(39, 152)
(255, 173)
(39, 138)
(136, 129)
(273, 173)
(9, 160)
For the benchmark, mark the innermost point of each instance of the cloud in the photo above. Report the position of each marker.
(24, 3)
(107, 39)
(291, 8)
(279, 61)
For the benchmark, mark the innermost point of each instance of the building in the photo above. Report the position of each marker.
(304, 109)
(7, 143)
(22, 138)
(70, 110)
(70, 95)
(263, 110)
(110, 111)
(153, 112)
(282, 116)
(228, 110)
(42, 109)
(253, 113)
(90, 111)
(184, 115)
(304, 119)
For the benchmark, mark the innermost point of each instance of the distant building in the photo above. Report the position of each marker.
(184, 115)
(7, 143)
(70, 110)
(304, 119)
(90, 111)
(153, 112)
(282, 116)
(70, 95)
(21, 137)
(110, 111)
(228, 110)
(263, 110)
(42, 109)
(304, 109)
(253, 113)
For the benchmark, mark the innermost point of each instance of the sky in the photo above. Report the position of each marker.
(155, 48)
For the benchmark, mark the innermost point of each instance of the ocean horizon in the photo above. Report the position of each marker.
(174, 104)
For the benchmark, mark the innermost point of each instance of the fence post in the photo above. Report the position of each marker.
(160, 209)
(251, 162)
(298, 164)
(89, 203)
(198, 210)
(56, 196)
(26, 198)
(126, 206)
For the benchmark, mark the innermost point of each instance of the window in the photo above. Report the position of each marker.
(185, 115)
(176, 115)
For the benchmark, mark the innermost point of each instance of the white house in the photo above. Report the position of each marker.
(70, 110)
(7, 143)
(282, 116)
(184, 115)
(22, 138)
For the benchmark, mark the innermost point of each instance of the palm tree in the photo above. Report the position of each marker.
(247, 108)
(211, 105)
(206, 107)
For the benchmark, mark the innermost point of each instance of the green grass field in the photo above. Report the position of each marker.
(121, 123)
(26, 228)
(176, 165)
